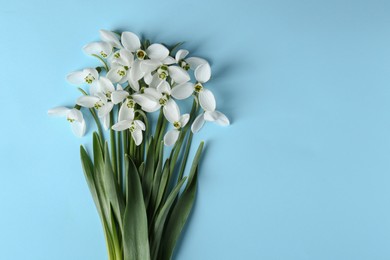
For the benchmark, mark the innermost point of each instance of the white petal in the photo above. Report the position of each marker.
(217, 117)
(93, 72)
(178, 74)
(79, 128)
(58, 111)
(125, 113)
(113, 74)
(148, 66)
(197, 124)
(181, 54)
(156, 81)
(148, 103)
(140, 124)
(133, 83)
(171, 111)
(111, 38)
(184, 119)
(105, 109)
(203, 73)
(164, 87)
(207, 100)
(118, 96)
(94, 90)
(105, 85)
(195, 62)
(135, 72)
(148, 78)
(76, 78)
(75, 114)
(87, 101)
(102, 49)
(183, 91)
(169, 61)
(122, 125)
(157, 51)
(126, 58)
(130, 41)
(137, 136)
(153, 93)
(170, 137)
(106, 121)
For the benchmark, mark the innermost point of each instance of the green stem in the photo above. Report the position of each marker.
(120, 158)
(103, 61)
(185, 156)
(98, 124)
(113, 144)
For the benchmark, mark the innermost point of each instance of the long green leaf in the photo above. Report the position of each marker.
(160, 220)
(135, 226)
(180, 212)
(112, 189)
(147, 177)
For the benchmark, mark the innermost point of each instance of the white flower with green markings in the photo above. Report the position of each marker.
(89, 76)
(126, 121)
(73, 116)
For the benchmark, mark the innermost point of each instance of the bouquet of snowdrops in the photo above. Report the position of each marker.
(137, 176)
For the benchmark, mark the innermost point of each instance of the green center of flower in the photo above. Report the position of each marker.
(98, 105)
(163, 101)
(163, 72)
(198, 87)
(132, 127)
(117, 55)
(184, 65)
(70, 120)
(177, 125)
(121, 72)
(141, 54)
(108, 94)
(103, 54)
(130, 103)
(89, 78)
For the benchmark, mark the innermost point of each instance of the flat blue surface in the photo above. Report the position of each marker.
(303, 172)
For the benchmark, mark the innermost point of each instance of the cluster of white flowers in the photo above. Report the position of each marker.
(142, 76)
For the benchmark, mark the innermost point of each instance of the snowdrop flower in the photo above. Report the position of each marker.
(153, 99)
(100, 99)
(211, 116)
(132, 43)
(88, 76)
(126, 121)
(74, 117)
(177, 74)
(206, 98)
(178, 122)
(121, 68)
(104, 48)
(192, 62)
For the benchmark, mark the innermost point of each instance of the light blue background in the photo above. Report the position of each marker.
(303, 172)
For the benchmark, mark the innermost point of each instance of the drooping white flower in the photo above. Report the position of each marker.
(120, 70)
(188, 63)
(88, 76)
(74, 117)
(111, 38)
(126, 121)
(155, 52)
(103, 48)
(100, 99)
(178, 123)
(153, 99)
(211, 116)
(206, 98)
